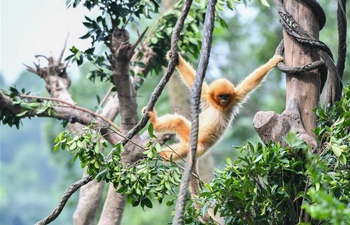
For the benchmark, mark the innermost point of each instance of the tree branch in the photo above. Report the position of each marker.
(72, 188)
(75, 107)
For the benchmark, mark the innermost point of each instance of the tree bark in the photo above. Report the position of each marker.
(304, 87)
(122, 52)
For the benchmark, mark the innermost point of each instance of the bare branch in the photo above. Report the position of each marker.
(139, 39)
(64, 48)
(72, 188)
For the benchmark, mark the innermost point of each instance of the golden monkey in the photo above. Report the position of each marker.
(220, 102)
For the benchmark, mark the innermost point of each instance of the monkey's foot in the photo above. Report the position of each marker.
(166, 155)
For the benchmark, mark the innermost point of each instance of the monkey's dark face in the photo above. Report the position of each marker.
(224, 98)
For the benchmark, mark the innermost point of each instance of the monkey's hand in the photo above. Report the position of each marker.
(151, 114)
(275, 59)
(170, 54)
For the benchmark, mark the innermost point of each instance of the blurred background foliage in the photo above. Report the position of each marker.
(33, 178)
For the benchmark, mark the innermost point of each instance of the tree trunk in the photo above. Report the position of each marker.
(304, 87)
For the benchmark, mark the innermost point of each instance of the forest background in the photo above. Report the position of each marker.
(33, 177)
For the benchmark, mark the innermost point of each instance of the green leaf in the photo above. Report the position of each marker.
(97, 148)
(258, 158)
(150, 131)
(336, 150)
(228, 161)
(147, 202)
(230, 4)
(21, 114)
(265, 3)
(56, 147)
(73, 146)
(154, 40)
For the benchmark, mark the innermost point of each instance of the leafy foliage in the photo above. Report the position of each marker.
(29, 107)
(267, 185)
(114, 14)
(146, 179)
(120, 13)
(257, 188)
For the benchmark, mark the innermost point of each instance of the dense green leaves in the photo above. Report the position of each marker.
(141, 181)
(257, 188)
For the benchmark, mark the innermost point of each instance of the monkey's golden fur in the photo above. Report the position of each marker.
(220, 102)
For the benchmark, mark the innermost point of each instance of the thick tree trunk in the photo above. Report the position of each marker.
(304, 87)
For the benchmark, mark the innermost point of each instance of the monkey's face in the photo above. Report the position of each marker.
(224, 98)
(221, 93)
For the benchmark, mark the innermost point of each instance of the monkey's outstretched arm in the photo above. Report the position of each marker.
(255, 78)
(187, 73)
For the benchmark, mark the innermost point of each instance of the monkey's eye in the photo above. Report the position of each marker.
(223, 96)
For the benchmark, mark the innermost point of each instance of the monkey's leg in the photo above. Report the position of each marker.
(176, 151)
(173, 124)
(180, 151)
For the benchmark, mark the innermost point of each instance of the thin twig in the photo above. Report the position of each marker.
(75, 107)
(106, 96)
(67, 194)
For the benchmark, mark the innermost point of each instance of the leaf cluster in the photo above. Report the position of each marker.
(114, 14)
(29, 107)
(190, 39)
(146, 179)
(120, 12)
(257, 188)
(329, 171)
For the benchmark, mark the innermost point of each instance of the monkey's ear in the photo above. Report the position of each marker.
(170, 54)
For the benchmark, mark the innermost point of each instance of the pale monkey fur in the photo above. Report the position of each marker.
(219, 104)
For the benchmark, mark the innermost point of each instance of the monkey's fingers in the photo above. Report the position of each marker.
(143, 110)
(170, 54)
(276, 59)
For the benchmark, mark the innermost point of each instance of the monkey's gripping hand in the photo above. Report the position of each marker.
(170, 54)
(275, 60)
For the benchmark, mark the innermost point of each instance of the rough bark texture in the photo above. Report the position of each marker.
(273, 127)
(302, 87)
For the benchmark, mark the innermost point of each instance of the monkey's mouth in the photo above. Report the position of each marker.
(223, 101)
